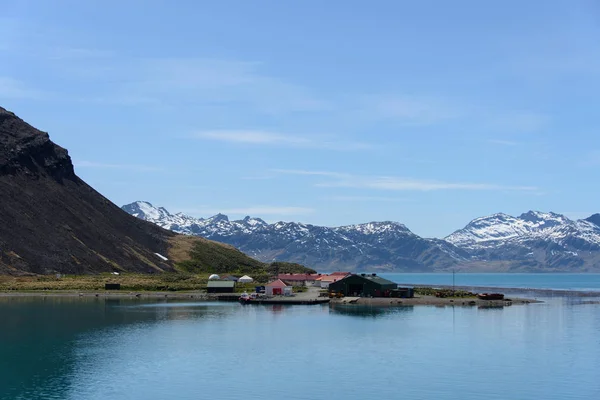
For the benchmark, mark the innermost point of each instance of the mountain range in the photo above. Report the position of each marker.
(533, 241)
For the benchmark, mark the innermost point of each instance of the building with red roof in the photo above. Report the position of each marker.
(325, 280)
(299, 279)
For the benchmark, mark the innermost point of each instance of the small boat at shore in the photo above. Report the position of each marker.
(246, 298)
(490, 296)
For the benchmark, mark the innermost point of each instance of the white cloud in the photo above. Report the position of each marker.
(253, 210)
(503, 142)
(125, 100)
(365, 198)
(409, 184)
(128, 167)
(516, 122)
(591, 159)
(396, 183)
(414, 110)
(257, 177)
(77, 53)
(190, 81)
(13, 89)
(437, 110)
(309, 173)
(253, 137)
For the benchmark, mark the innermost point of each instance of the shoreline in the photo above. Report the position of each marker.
(496, 289)
(109, 294)
(431, 301)
(527, 295)
(351, 301)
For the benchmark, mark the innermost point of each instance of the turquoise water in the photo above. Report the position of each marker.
(580, 282)
(91, 348)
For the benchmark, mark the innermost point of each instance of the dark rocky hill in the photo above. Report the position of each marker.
(51, 221)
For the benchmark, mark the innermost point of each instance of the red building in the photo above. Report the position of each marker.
(278, 288)
(299, 279)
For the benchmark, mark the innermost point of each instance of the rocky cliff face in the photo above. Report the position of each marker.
(25, 150)
(51, 221)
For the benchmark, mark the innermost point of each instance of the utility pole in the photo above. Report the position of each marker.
(453, 282)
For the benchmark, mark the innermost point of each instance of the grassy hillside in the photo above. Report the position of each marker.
(197, 255)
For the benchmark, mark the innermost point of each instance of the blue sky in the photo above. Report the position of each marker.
(430, 113)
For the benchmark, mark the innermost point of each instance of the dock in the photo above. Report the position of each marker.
(308, 297)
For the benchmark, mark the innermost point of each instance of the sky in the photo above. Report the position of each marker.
(429, 113)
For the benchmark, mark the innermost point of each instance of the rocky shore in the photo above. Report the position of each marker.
(432, 301)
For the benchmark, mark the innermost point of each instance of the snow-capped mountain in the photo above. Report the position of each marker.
(533, 241)
(487, 231)
(374, 246)
(216, 225)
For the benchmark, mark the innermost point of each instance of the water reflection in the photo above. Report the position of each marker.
(91, 349)
(494, 307)
(38, 335)
(365, 311)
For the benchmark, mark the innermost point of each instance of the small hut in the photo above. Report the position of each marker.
(245, 279)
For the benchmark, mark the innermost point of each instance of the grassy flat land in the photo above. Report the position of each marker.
(194, 259)
(169, 282)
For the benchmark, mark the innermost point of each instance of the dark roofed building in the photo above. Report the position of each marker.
(220, 286)
(365, 285)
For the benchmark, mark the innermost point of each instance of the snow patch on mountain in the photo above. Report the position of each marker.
(375, 244)
(490, 231)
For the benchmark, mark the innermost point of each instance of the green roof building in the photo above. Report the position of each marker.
(220, 286)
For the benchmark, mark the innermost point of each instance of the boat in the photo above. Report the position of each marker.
(490, 296)
(246, 298)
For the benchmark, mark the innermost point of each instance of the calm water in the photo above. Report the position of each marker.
(581, 282)
(78, 348)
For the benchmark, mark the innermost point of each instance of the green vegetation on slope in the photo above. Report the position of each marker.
(281, 267)
(197, 255)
